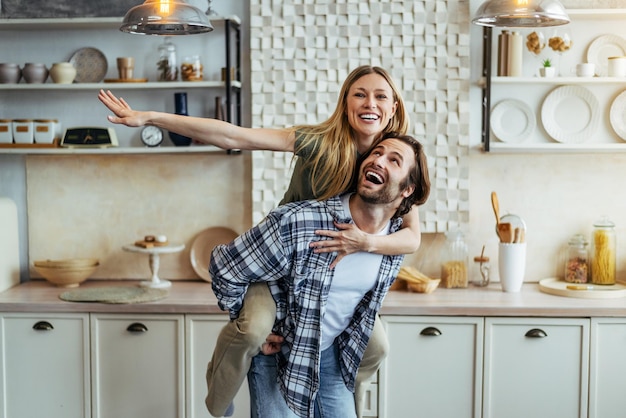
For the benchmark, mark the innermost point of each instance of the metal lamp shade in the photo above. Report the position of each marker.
(521, 13)
(165, 17)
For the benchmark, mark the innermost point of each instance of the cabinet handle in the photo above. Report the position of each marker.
(430, 332)
(536, 333)
(137, 327)
(43, 326)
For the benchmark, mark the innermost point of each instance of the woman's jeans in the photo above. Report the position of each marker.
(333, 398)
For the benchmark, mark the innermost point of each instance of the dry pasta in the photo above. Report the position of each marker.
(603, 263)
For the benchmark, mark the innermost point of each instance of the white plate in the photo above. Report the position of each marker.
(512, 120)
(203, 245)
(91, 65)
(570, 114)
(602, 48)
(618, 115)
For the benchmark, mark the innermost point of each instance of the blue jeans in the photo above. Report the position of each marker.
(266, 401)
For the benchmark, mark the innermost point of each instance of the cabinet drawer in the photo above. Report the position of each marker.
(433, 368)
(607, 368)
(37, 353)
(536, 367)
(137, 366)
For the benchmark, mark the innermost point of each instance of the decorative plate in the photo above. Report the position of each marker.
(91, 65)
(203, 245)
(617, 115)
(570, 114)
(512, 120)
(602, 48)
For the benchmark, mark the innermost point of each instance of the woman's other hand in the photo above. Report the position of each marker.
(349, 239)
(122, 111)
(272, 344)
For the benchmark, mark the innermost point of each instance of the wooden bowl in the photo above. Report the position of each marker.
(66, 276)
(68, 263)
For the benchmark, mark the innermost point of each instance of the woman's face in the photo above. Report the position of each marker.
(369, 107)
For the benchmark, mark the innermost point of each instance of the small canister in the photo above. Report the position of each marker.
(45, 130)
(603, 245)
(6, 131)
(577, 263)
(23, 131)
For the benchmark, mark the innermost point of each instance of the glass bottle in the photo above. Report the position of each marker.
(167, 68)
(454, 261)
(603, 244)
(577, 263)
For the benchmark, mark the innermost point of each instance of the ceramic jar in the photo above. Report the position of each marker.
(35, 72)
(44, 130)
(23, 131)
(10, 73)
(6, 131)
(62, 72)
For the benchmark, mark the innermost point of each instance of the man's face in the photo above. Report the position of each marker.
(383, 173)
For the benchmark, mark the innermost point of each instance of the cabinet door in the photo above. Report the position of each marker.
(202, 331)
(433, 369)
(536, 367)
(607, 368)
(137, 366)
(44, 365)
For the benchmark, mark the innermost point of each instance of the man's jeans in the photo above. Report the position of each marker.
(266, 401)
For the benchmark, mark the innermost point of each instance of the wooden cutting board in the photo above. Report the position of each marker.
(558, 287)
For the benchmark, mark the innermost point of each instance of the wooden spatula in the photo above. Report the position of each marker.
(496, 210)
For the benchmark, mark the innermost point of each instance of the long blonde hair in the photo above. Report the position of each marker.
(335, 156)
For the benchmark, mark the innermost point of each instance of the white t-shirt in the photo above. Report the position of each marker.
(354, 276)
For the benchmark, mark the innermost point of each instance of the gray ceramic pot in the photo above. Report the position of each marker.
(10, 73)
(35, 72)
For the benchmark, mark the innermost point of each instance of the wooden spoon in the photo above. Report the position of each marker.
(496, 211)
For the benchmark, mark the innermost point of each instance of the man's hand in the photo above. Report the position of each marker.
(272, 344)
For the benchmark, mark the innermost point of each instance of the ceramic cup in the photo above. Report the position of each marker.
(511, 266)
(617, 67)
(125, 67)
(585, 69)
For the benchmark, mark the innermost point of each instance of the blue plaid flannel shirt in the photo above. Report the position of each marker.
(277, 251)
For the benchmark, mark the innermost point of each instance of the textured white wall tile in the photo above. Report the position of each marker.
(302, 50)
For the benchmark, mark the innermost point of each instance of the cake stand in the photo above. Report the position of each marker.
(154, 254)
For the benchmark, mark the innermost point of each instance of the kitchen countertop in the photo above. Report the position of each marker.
(196, 297)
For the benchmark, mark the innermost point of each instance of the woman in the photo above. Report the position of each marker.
(369, 105)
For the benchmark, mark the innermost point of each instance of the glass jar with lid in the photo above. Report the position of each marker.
(167, 67)
(603, 244)
(454, 261)
(577, 262)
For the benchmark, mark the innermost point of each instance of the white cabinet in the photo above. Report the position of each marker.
(536, 367)
(138, 366)
(44, 365)
(434, 368)
(202, 331)
(607, 368)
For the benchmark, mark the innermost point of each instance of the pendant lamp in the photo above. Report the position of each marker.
(165, 17)
(521, 13)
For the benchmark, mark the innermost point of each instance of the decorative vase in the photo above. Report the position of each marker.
(62, 72)
(547, 71)
(10, 73)
(35, 72)
(180, 104)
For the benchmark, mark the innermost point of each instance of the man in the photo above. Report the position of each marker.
(324, 316)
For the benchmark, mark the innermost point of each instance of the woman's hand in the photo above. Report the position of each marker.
(123, 112)
(349, 239)
(272, 344)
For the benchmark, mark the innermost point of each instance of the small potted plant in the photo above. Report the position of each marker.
(547, 70)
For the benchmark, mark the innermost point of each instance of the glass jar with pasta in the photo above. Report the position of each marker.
(603, 246)
(454, 261)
